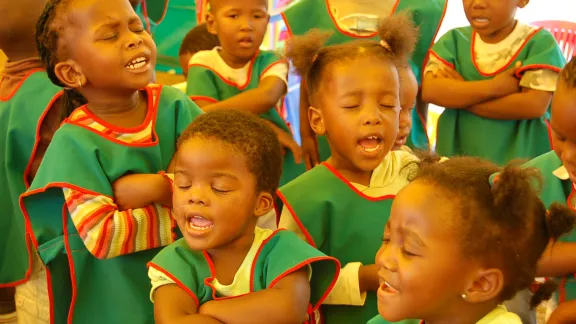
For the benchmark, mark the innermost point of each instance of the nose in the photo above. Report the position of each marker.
(197, 196)
(479, 4)
(246, 24)
(134, 42)
(372, 115)
(385, 258)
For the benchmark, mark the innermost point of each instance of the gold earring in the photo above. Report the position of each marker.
(464, 296)
(80, 83)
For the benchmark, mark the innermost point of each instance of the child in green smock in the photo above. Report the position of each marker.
(495, 78)
(456, 247)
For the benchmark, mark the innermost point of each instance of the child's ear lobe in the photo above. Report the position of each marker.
(265, 204)
(523, 3)
(211, 23)
(316, 121)
(70, 74)
(487, 285)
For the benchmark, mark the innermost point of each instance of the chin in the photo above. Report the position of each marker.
(389, 314)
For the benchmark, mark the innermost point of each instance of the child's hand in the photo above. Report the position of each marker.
(140, 190)
(310, 150)
(564, 314)
(287, 141)
(506, 83)
(368, 278)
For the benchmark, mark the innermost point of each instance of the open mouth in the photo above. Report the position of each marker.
(386, 287)
(246, 42)
(198, 224)
(371, 144)
(138, 64)
(480, 21)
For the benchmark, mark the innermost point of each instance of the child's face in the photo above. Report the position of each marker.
(107, 47)
(215, 198)
(358, 110)
(493, 20)
(408, 94)
(239, 25)
(563, 130)
(18, 21)
(422, 271)
(184, 63)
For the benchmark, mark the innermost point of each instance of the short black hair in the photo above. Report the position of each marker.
(198, 39)
(504, 225)
(247, 134)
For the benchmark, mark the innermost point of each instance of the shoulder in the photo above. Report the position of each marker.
(175, 254)
(545, 161)
(205, 58)
(310, 179)
(406, 164)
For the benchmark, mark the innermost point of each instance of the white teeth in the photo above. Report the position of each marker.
(372, 137)
(371, 149)
(481, 19)
(136, 65)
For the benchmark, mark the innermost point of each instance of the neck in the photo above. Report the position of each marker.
(349, 172)
(106, 104)
(235, 250)
(465, 313)
(500, 34)
(232, 61)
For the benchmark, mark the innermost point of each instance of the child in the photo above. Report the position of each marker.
(559, 175)
(26, 127)
(84, 228)
(225, 179)
(198, 39)
(408, 96)
(456, 247)
(336, 207)
(486, 96)
(355, 19)
(240, 76)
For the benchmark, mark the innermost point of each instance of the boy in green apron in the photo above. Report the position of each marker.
(351, 20)
(456, 247)
(338, 205)
(225, 268)
(97, 206)
(26, 127)
(238, 75)
(557, 168)
(495, 78)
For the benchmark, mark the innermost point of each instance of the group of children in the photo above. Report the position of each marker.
(105, 173)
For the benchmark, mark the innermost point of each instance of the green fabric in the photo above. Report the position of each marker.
(377, 320)
(113, 290)
(281, 252)
(341, 224)
(555, 190)
(19, 122)
(426, 14)
(462, 133)
(205, 82)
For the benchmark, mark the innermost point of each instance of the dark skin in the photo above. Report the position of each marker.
(564, 314)
(17, 28)
(213, 182)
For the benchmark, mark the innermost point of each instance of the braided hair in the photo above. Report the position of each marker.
(48, 33)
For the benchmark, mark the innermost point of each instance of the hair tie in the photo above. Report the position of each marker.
(385, 44)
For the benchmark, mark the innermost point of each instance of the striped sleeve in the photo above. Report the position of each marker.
(108, 232)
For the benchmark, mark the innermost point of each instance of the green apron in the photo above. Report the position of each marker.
(557, 190)
(20, 120)
(460, 131)
(342, 223)
(207, 84)
(427, 15)
(87, 289)
(281, 254)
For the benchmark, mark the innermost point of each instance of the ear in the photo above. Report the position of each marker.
(316, 121)
(264, 205)
(523, 3)
(70, 74)
(487, 285)
(211, 23)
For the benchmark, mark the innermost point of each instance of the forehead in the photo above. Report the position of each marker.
(366, 73)
(210, 153)
(564, 110)
(225, 5)
(96, 12)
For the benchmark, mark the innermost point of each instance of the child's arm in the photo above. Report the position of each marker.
(286, 302)
(564, 314)
(256, 101)
(140, 190)
(108, 232)
(287, 141)
(452, 93)
(528, 104)
(172, 305)
(558, 260)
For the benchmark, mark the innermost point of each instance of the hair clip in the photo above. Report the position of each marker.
(385, 44)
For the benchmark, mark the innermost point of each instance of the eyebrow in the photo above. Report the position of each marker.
(114, 23)
(213, 175)
(414, 237)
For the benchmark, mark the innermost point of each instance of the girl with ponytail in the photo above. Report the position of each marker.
(456, 247)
